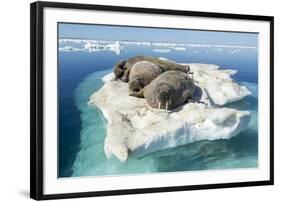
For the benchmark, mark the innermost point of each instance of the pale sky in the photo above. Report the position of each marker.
(106, 32)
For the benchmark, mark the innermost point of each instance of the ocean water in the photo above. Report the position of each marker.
(82, 128)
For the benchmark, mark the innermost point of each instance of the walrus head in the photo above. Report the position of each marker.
(119, 69)
(162, 97)
(136, 84)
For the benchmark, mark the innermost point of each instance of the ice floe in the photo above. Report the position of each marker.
(133, 127)
(162, 50)
(91, 46)
(218, 84)
(96, 47)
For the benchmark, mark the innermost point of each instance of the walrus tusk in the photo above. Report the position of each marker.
(159, 104)
(188, 68)
(166, 105)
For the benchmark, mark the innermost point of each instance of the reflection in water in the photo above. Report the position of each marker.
(217, 154)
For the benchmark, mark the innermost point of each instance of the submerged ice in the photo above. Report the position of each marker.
(136, 129)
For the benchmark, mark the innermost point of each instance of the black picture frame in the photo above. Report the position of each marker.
(37, 101)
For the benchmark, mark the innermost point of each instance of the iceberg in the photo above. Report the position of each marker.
(96, 47)
(69, 49)
(134, 128)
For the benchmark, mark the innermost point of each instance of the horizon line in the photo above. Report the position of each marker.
(218, 45)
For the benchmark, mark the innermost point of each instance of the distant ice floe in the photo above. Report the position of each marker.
(169, 50)
(162, 50)
(179, 48)
(95, 47)
(234, 51)
(84, 41)
(70, 41)
(69, 49)
(220, 46)
(137, 43)
(91, 46)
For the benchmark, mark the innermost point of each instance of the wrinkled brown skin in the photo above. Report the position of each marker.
(172, 88)
(122, 69)
(141, 74)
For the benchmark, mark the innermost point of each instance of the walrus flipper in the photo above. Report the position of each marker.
(125, 76)
(186, 95)
(137, 94)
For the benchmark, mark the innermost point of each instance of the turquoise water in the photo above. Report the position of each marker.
(83, 127)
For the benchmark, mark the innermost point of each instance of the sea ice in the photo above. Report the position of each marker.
(96, 47)
(162, 50)
(218, 84)
(91, 45)
(134, 128)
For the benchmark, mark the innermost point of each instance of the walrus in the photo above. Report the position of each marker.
(169, 90)
(141, 74)
(122, 69)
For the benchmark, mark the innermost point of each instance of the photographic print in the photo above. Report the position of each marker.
(131, 100)
(138, 100)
